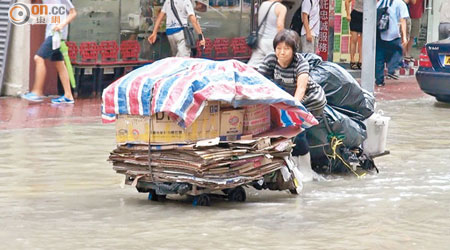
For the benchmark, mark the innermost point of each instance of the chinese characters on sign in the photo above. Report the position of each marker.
(323, 33)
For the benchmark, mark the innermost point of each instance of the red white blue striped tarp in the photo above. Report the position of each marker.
(180, 87)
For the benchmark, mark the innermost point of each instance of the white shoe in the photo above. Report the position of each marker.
(303, 163)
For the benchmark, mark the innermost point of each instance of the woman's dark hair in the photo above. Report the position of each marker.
(290, 37)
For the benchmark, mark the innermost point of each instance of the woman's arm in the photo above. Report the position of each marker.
(302, 84)
(302, 73)
(347, 9)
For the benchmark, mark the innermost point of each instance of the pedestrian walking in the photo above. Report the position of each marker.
(311, 26)
(174, 29)
(276, 15)
(416, 9)
(46, 51)
(290, 71)
(389, 43)
(355, 18)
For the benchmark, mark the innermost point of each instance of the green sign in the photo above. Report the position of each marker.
(337, 43)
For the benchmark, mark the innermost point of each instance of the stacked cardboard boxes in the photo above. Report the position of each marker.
(209, 154)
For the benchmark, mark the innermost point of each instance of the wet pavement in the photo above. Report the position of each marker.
(59, 192)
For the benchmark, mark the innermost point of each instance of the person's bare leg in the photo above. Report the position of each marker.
(353, 41)
(64, 77)
(359, 47)
(40, 72)
(409, 47)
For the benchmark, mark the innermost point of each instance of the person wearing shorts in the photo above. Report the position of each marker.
(416, 9)
(47, 52)
(355, 19)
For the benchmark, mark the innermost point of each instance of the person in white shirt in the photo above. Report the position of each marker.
(311, 26)
(174, 29)
(276, 15)
(46, 51)
(390, 43)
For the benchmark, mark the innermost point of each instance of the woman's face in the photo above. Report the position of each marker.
(284, 53)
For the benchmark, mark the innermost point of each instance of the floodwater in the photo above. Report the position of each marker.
(57, 191)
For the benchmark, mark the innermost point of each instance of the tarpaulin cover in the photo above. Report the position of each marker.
(341, 89)
(180, 87)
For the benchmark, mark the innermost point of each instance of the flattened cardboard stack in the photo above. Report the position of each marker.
(207, 153)
(224, 165)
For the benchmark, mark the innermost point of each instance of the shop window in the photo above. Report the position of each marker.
(97, 20)
(120, 20)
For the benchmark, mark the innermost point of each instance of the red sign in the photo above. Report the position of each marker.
(323, 33)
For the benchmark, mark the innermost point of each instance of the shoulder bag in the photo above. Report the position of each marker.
(187, 31)
(252, 38)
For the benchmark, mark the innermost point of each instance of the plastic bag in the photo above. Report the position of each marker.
(313, 59)
(342, 90)
(352, 132)
(56, 40)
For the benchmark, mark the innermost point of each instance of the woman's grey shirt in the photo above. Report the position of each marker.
(286, 78)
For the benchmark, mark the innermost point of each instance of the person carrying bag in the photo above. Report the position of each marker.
(383, 16)
(262, 39)
(178, 12)
(252, 39)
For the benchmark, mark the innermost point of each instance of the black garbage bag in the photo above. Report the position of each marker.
(352, 132)
(312, 59)
(342, 90)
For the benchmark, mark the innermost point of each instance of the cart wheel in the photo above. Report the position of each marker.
(152, 196)
(202, 200)
(237, 194)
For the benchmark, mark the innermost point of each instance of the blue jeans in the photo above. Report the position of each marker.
(389, 52)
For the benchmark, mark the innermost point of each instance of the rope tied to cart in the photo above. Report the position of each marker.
(335, 142)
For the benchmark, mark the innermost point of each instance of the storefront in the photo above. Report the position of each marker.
(119, 20)
(429, 23)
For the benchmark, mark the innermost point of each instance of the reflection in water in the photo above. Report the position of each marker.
(58, 191)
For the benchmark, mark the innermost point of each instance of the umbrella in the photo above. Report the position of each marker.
(181, 87)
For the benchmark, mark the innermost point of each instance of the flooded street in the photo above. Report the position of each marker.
(57, 191)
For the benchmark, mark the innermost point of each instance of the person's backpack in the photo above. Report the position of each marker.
(383, 15)
(297, 22)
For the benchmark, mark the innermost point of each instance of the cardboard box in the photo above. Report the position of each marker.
(135, 129)
(231, 124)
(256, 119)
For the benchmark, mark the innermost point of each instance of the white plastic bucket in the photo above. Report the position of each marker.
(377, 129)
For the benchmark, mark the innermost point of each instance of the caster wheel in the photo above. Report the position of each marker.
(152, 196)
(202, 200)
(237, 194)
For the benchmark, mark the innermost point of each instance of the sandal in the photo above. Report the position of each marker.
(359, 65)
(353, 65)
